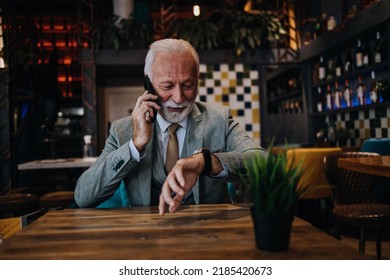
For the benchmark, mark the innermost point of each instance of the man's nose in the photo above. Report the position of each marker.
(178, 95)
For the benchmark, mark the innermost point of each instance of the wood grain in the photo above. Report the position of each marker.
(379, 166)
(220, 231)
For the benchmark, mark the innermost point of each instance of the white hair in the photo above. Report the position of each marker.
(174, 46)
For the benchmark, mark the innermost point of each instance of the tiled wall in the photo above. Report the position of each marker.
(237, 86)
(363, 124)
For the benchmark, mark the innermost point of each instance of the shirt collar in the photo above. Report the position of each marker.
(163, 124)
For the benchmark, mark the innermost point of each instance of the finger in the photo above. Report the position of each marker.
(139, 101)
(166, 194)
(149, 96)
(177, 199)
(180, 177)
(150, 104)
(161, 205)
(173, 184)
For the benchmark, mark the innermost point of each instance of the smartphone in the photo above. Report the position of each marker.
(149, 87)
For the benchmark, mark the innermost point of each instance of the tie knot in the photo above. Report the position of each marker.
(173, 127)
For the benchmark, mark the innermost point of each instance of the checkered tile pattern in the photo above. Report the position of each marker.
(236, 86)
(363, 124)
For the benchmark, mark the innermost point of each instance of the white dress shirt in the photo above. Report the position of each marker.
(163, 136)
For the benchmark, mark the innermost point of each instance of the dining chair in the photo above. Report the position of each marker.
(382, 147)
(354, 202)
(14, 205)
(118, 199)
(57, 199)
(314, 205)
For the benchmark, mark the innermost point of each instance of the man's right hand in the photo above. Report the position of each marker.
(142, 119)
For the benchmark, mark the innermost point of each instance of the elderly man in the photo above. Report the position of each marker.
(171, 150)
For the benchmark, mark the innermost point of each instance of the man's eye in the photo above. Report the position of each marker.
(189, 86)
(169, 87)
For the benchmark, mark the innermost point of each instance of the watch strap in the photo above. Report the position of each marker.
(207, 162)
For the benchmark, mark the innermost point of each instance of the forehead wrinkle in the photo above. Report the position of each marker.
(173, 66)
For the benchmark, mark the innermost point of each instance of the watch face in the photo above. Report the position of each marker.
(197, 152)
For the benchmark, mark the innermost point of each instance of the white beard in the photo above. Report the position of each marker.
(175, 117)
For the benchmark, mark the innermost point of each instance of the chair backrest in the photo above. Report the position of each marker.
(118, 199)
(349, 187)
(377, 145)
(312, 166)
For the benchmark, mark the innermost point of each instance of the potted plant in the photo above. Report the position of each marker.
(272, 188)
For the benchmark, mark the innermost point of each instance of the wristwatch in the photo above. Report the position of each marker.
(207, 160)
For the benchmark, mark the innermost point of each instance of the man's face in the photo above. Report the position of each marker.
(176, 81)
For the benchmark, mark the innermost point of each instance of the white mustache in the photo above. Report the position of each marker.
(174, 105)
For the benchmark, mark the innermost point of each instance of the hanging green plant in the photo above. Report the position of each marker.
(120, 33)
(202, 34)
(252, 30)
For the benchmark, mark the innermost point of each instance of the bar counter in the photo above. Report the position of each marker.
(200, 232)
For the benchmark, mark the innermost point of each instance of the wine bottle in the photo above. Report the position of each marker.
(317, 28)
(348, 66)
(379, 47)
(360, 91)
(366, 55)
(359, 55)
(321, 69)
(319, 100)
(347, 94)
(337, 96)
(338, 67)
(329, 105)
(373, 94)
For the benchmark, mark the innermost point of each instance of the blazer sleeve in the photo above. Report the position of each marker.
(239, 146)
(100, 181)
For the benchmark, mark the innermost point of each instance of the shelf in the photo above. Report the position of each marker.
(360, 71)
(287, 95)
(365, 20)
(352, 109)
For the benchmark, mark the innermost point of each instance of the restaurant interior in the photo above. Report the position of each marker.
(307, 79)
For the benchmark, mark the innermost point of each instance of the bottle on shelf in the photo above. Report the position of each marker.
(321, 69)
(330, 71)
(331, 24)
(379, 49)
(347, 94)
(320, 100)
(366, 55)
(87, 149)
(348, 65)
(337, 96)
(338, 67)
(373, 94)
(329, 105)
(361, 91)
(317, 28)
(359, 55)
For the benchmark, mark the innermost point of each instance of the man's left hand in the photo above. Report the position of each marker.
(180, 181)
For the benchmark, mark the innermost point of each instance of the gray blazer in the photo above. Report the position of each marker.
(209, 126)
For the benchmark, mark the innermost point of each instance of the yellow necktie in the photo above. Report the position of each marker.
(172, 148)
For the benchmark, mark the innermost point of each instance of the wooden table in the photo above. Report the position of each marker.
(372, 165)
(57, 163)
(220, 231)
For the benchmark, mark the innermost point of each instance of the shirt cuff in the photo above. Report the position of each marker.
(224, 173)
(134, 152)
